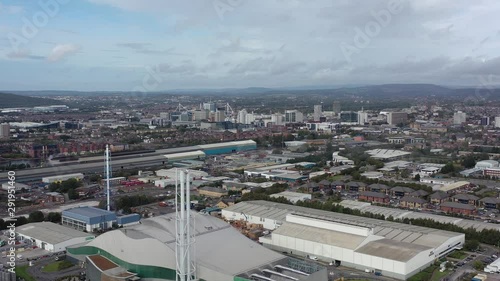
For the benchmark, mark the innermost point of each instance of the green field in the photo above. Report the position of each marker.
(57, 266)
(22, 272)
(438, 275)
(458, 255)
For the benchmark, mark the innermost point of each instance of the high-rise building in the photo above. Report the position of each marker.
(219, 116)
(396, 118)
(4, 130)
(318, 111)
(250, 118)
(362, 117)
(485, 121)
(277, 118)
(336, 107)
(349, 117)
(201, 114)
(294, 116)
(459, 118)
(242, 116)
(497, 122)
(210, 106)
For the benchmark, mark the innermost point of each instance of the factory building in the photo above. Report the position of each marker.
(228, 147)
(51, 236)
(91, 218)
(60, 178)
(146, 251)
(393, 249)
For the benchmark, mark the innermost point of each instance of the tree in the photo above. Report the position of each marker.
(448, 168)
(54, 217)
(469, 162)
(36, 216)
(73, 195)
(417, 177)
(471, 245)
(478, 265)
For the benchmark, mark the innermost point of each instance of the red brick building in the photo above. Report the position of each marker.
(458, 208)
(374, 197)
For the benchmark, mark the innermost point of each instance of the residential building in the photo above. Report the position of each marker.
(396, 118)
(458, 208)
(336, 107)
(374, 197)
(401, 191)
(210, 106)
(381, 188)
(465, 198)
(497, 122)
(356, 186)
(439, 197)
(419, 193)
(294, 116)
(490, 203)
(226, 202)
(485, 121)
(318, 112)
(459, 118)
(362, 117)
(4, 130)
(411, 202)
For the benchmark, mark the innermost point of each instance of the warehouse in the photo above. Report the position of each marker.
(228, 147)
(191, 155)
(222, 253)
(394, 249)
(60, 178)
(293, 197)
(50, 236)
(88, 218)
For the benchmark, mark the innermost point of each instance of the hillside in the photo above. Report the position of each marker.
(11, 100)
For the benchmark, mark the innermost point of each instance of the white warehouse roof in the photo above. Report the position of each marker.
(50, 233)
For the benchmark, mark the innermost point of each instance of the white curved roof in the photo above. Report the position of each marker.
(153, 243)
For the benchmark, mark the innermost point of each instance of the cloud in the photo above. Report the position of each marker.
(11, 9)
(144, 48)
(23, 54)
(60, 52)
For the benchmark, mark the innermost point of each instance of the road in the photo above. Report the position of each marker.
(467, 267)
(36, 270)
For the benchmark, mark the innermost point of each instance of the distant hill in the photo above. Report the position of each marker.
(11, 100)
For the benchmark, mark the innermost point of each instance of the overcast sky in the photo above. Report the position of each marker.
(165, 44)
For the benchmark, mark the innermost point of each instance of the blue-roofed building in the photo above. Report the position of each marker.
(88, 218)
(128, 219)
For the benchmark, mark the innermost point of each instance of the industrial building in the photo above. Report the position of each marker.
(198, 154)
(92, 218)
(394, 249)
(146, 251)
(293, 197)
(60, 178)
(228, 147)
(51, 236)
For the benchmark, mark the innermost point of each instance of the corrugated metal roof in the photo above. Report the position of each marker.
(49, 232)
(319, 235)
(390, 249)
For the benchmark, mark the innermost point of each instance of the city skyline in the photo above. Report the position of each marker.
(130, 45)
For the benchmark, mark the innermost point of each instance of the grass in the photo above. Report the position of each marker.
(22, 272)
(438, 275)
(458, 255)
(426, 274)
(57, 266)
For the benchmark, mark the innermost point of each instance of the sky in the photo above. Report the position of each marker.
(155, 45)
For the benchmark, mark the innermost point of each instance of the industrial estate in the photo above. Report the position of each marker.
(231, 140)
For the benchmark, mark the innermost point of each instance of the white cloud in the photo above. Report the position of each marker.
(11, 9)
(59, 52)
